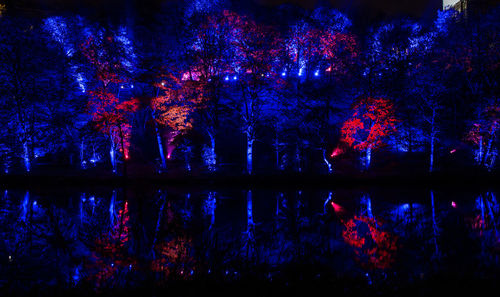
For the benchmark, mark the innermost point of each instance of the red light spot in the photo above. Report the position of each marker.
(169, 156)
(453, 204)
(336, 207)
(453, 151)
(336, 152)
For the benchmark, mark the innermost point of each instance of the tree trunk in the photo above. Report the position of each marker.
(160, 148)
(250, 141)
(368, 158)
(27, 156)
(112, 151)
(112, 208)
(434, 224)
(328, 164)
(431, 161)
(433, 139)
(125, 155)
(297, 157)
(488, 149)
(212, 158)
(277, 150)
(250, 225)
(82, 155)
(158, 221)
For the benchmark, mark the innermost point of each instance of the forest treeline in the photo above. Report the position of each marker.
(203, 87)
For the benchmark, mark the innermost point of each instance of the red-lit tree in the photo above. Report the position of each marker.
(372, 121)
(339, 51)
(110, 114)
(176, 100)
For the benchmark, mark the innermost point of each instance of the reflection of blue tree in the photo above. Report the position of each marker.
(249, 234)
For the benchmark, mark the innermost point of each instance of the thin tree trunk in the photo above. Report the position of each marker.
(434, 224)
(125, 155)
(250, 141)
(368, 157)
(328, 164)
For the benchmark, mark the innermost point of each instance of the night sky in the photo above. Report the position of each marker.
(358, 9)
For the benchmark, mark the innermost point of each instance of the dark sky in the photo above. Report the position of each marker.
(369, 9)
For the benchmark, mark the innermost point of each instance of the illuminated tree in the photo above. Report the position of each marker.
(110, 114)
(211, 55)
(172, 107)
(256, 51)
(428, 88)
(483, 135)
(372, 121)
(113, 118)
(35, 93)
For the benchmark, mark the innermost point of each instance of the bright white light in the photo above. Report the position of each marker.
(235, 77)
(448, 3)
(316, 73)
(227, 78)
(283, 74)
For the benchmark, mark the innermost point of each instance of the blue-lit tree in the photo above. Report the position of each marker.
(256, 56)
(210, 57)
(39, 98)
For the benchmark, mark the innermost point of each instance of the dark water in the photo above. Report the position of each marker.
(106, 238)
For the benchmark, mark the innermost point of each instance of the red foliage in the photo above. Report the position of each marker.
(486, 127)
(373, 247)
(373, 119)
(174, 258)
(111, 116)
(109, 255)
(339, 50)
(257, 48)
(177, 100)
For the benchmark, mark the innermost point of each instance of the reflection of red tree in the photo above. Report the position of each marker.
(110, 256)
(374, 248)
(174, 259)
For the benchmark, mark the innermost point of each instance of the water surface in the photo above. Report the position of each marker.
(104, 238)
